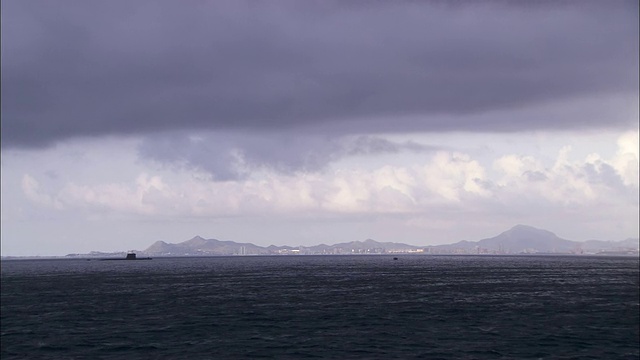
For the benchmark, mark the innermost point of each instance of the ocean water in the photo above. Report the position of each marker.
(333, 307)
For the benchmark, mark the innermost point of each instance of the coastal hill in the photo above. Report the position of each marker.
(523, 239)
(520, 239)
(200, 246)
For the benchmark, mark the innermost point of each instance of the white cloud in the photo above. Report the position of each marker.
(31, 189)
(446, 178)
(626, 159)
(450, 175)
(579, 182)
(514, 166)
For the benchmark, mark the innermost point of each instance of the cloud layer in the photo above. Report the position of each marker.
(445, 180)
(93, 68)
(233, 156)
(316, 120)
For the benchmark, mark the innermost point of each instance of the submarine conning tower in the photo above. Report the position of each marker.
(131, 256)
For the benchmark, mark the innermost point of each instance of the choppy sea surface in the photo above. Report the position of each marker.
(334, 307)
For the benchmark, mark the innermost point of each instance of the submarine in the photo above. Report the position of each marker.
(130, 256)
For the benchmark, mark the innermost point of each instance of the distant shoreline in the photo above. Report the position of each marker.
(64, 257)
(518, 240)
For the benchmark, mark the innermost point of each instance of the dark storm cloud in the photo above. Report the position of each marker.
(370, 145)
(90, 68)
(232, 156)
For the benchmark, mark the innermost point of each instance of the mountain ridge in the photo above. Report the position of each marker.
(520, 239)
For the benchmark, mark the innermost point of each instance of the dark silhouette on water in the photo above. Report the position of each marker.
(130, 256)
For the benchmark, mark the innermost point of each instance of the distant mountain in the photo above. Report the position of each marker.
(517, 240)
(200, 246)
(528, 239)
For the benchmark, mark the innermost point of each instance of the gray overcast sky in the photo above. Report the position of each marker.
(286, 93)
(121, 67)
